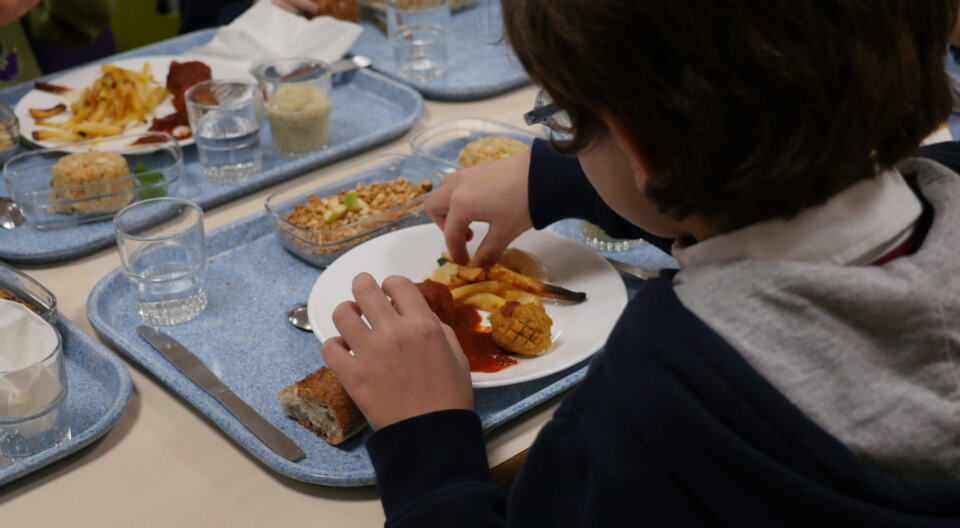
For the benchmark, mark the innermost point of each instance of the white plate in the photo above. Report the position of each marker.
(84, 78)
(579, 330)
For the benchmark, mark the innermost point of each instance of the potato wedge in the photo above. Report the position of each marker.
(467, 290)
(500, 273)
(485, 301)
(522, 297)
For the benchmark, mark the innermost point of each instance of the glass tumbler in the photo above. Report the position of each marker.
(225, 121)
(164, 256)
(297, 102)
(33, 384)
(418, 31)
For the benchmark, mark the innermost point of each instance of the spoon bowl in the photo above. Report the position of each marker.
(11, 215)
(297, 315)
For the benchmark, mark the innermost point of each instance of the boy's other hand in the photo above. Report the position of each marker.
(13, 10)
(307, 8)
(405, 363)
(495, 193)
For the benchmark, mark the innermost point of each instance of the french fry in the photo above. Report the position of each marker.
(118, 98)
(467, 290)
(485, 301)
(46, 113)
(55, 135)
(445, 273)
(92, 129)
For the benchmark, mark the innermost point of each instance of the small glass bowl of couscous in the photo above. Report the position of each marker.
(91, 180)
(463, 143)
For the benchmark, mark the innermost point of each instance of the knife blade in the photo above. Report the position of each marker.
(192, 367)
(630, 269)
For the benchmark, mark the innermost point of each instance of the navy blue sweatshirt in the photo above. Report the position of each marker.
(670, 427)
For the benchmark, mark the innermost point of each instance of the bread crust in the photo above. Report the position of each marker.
(318, 389)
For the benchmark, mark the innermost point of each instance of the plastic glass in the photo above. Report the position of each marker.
(418, 31)
(597, 238)
(9, 133)
(164, 260)
(27, 290)
(297, 102)
(33, 416)
(155, 168)
(225, 120)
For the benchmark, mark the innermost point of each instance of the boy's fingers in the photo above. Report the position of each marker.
(405, 294)
(455, 235)
(337, 356)
(438, 204)
(346, 318)
(372, 301)
(490, 249)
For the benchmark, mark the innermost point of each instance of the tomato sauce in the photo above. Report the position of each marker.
(477, 344)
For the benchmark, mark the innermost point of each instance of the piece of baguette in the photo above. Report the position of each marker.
(320, 403)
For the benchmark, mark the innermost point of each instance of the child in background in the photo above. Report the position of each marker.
(799, 369)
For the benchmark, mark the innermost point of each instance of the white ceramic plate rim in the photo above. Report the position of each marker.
(84, 77)
(579, 331)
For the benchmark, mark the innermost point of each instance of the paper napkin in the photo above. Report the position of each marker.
(266, 32)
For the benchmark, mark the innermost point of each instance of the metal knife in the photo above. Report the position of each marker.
(193, 368)
(630, 269)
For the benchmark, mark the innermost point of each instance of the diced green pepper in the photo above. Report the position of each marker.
(350, 200)
(335, 214)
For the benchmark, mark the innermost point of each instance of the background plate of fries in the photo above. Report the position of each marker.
(106, 100)
(579, 330)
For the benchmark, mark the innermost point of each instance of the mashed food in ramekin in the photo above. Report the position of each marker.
(87, 175)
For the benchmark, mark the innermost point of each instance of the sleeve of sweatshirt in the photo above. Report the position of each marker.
(559, 189)
(432, 472)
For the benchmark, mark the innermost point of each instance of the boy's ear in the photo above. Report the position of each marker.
(639, 164)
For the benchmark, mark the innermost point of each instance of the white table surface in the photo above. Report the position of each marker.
(163, 464)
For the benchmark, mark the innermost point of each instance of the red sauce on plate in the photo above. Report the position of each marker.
(477, 344)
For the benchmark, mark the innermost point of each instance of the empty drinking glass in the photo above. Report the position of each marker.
(225, 122)
(33, 384)
(418, 32)
(164, 256)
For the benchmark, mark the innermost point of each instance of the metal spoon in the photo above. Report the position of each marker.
(297, 315)
(349, 64)
(11, 215)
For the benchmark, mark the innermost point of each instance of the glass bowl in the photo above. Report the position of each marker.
(9, 133)
(321, 246)
(155, 164)
(22, 287)
(442, 143)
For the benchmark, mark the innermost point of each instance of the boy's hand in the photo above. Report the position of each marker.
(13, 10)
(495, 193)
(406, 363)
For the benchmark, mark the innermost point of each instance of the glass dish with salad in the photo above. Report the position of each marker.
(94, 180)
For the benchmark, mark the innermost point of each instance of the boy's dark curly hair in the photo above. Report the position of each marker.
(747, 110)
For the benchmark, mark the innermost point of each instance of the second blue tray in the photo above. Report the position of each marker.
(369, 110)
(480, 62)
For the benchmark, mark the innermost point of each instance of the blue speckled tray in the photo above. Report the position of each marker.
(480, 62)
(99, 387)
(369, 109)
(245, 338)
